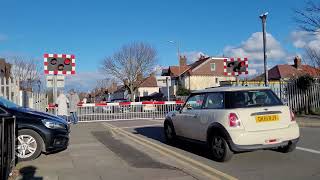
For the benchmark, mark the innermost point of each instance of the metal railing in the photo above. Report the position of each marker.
(115, 111)
(7, 149)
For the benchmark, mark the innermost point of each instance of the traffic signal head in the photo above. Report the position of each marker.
(59, 64)
(235, 66)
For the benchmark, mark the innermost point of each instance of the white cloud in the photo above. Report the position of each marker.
(302, 39)
(252, 48)
(83, 81)
(158, 69)
(193, 56)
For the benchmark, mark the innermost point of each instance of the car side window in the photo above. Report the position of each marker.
(194, 102)
(214, 101)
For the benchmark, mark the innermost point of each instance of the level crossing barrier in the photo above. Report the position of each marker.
(90, 112)
(125, 110)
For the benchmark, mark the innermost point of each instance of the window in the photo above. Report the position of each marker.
(213, 66)
(217, 80)
(254, 98)
(195, 101)
(214, 101)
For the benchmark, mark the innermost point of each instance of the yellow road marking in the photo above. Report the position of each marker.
(204, 169)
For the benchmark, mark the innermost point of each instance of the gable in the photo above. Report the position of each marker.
(204, 69)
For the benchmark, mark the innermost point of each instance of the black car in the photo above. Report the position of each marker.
(38, 132)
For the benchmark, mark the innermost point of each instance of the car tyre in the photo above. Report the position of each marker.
(169, 133)
(219, 148)
(29, 145)
(288, 148)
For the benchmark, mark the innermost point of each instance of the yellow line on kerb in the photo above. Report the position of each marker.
(204, 169)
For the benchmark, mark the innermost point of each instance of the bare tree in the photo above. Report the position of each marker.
(130, 63)
(308, 18)
(103, 83)
(313, 55)
(26, 70)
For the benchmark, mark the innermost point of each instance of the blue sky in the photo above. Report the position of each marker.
(93, 30)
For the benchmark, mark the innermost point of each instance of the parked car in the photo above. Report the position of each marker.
(38, 132)
(233, 120)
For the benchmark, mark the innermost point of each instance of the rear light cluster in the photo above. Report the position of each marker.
(292, 116)
(234, 121)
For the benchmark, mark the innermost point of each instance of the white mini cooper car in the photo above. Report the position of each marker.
(234, 119)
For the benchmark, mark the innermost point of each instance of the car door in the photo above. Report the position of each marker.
(187, 118)
(211, 111)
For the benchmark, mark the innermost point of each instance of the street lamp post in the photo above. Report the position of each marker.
(263, 18)
(178, 51)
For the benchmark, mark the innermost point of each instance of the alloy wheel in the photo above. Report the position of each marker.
(26, 147)
(218, 147)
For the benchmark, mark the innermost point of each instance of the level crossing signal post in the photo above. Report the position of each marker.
(55, 66)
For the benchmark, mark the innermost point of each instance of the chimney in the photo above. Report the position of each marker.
(182, 61)
(297, 62)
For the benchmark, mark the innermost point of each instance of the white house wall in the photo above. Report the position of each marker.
(147, 91)
(202, 82)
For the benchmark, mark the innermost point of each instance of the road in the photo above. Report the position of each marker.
(136, 150)
(302, 163)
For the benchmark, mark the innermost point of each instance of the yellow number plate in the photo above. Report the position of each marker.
(267, 118)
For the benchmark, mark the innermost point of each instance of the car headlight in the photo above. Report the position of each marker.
(53, 124)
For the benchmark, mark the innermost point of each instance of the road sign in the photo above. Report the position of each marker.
(59, 64)
(235, 66)
(60, 81)
(162, 81)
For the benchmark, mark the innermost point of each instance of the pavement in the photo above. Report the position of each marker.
(308, 120)
(96, 155)
(136, 150)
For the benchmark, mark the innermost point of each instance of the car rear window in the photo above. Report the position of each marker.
(252, 98)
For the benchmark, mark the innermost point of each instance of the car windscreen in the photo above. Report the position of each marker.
(8, 104)
(251, 98)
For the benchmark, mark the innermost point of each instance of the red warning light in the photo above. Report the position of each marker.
(67, 61)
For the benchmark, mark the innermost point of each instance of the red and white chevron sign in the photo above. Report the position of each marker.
(235, 66)
(61, 64)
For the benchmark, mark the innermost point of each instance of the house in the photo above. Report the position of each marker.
(203, 73)
(148, 86)
(120, 93)
(287, 71)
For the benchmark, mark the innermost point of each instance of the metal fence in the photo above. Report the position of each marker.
(290, 94)
(300, 100)
(7, 149)
(9, 89)
(39, 101)
(125, 111)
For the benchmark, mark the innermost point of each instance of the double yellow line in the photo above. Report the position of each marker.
(196, 165)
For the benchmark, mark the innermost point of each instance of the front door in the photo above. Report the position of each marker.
(188, 119)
